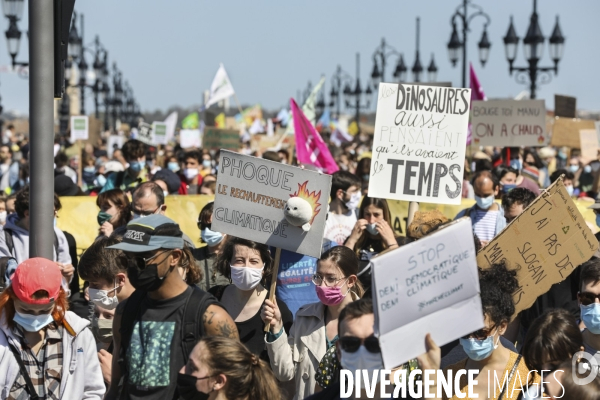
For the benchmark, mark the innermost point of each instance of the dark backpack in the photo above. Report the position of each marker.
(192, 327)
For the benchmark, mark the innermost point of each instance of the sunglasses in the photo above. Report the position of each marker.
(140, 261)
(351, 344)
(587, 298)
(480, 334)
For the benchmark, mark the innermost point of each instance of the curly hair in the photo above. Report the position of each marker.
(497, 285)
(188, 262)
(520, 196)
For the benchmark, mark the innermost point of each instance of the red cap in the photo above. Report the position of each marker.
(36, 274)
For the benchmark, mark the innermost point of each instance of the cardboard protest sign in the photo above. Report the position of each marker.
(215, 138)
(114, 142)
(589, 145)
(565, 106)
(80, 128)
(544, 244)
(190, 138)
(251, 195)
(159, 132)
(509, 123)
(426, 287)
(565, 131)
(419, 143)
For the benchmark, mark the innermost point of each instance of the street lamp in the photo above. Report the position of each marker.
(354, 98)
(533, 49)
(13, 10)
(339, 79)
(381, 55)
(455, 44)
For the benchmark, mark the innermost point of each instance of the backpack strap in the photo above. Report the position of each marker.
(192, 327)
(10, 244)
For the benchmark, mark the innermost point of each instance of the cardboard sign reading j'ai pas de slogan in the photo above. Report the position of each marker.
(509, 123)
(425, 287)
(250, 199)
(419, 143)
(544, 244)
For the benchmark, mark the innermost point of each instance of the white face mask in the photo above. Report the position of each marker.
(372, 229)
(361, 359)
(352, 204)
(246, 278)
(190, 173)
(101, 299)
(2, 217)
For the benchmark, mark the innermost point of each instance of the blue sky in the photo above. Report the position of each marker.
(169, 51)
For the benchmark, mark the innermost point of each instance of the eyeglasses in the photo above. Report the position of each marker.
(141, 261)
(480, 334)
(145, 213)
(351, 344)
(329, 280)
(587, 298)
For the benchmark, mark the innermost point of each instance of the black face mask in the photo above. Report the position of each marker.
(186, 387)
(146, 279)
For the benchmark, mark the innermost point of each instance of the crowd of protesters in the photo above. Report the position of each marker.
(159, 318)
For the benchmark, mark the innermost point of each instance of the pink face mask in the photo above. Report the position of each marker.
(330, 296)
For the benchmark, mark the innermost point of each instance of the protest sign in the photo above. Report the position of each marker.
(419, 143)
(251, 194)
(565, 106)
(216, 139)
(159, 131)
(589, 145)
(80, 129)
(565, 131)
(426, 287)
(114, 142)
(544, 244)
(509, 123)
(145, 133)
(190, 138)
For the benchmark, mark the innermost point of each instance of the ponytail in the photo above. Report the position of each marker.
(263, 385)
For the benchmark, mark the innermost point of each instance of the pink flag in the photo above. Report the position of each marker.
(476, 94)
(310, 147)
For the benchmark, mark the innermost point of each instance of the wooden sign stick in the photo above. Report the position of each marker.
(274, 280)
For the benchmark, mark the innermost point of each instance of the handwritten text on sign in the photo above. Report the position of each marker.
(545, 244)
(419, 143)
(509, 123)
(435, 285)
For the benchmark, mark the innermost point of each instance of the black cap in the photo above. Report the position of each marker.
(64, 186)
(170, 178)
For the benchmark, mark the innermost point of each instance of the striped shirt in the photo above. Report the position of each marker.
(44, 368)
(484, 223)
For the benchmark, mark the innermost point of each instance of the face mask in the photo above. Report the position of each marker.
(366, 177)
(3, 217)
(211, 238)
(352, 204)
(478, 350)
(137, 166)
(100, 180)
(190, 173)
(54, 221)
(590, 315)
(508, 187)
(573, 168)
(103, 217)
(484, 202)
(587, 169)
(173, 166)
(562, 155)
(246, 278)
(165, 193)
(32, 323)
(101, 299)
(186, 387)
(372, 229)
(147, 279)
(361, 359)
(569, 190)
(89, 169)
(102, 329)
(330, 296)
(206, 163)
(516, 164)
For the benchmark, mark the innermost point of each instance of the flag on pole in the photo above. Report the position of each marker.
(220, 89)
(476, 94)
(191, 121)
(310, 147)
(308, 108)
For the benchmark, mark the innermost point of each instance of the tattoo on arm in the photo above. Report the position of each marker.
(226, 330)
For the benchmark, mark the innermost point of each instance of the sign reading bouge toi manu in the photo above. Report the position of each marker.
(251, 195)
(544, 244)
(509, 123)
(419, 143)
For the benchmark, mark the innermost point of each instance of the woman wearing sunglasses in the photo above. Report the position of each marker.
(315, 329)
(223, 368)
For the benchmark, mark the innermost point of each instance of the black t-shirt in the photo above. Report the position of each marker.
(155, 354)
(252, 330)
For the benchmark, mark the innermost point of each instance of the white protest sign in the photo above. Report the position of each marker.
(419, 143)
(80, 128)
(251, 195)
(428, 286)
(159, 131)
(145, 133)
(114, 142)
(509, 123)
(189, 138)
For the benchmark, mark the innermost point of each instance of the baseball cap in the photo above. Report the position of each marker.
(36, 274)
(140, 236)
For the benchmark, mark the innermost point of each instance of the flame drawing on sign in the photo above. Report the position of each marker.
(311, 197)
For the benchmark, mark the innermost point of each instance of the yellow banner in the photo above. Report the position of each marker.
(78, 215)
